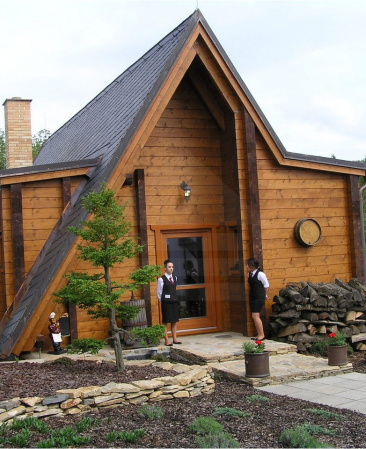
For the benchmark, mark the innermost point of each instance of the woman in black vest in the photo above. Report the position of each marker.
(258, 293)
(166, 292)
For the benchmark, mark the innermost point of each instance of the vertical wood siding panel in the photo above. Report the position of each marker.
(287, 195)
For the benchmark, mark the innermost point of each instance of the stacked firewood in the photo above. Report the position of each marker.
(305, 313)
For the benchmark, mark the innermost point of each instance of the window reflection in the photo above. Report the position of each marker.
(187, 256)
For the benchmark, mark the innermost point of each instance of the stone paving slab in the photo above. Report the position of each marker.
(283, 368)
(344, 391)
(221, 347)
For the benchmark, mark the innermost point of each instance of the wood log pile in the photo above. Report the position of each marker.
(305, 313)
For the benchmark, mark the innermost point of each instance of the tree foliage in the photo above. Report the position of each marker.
(37, 142)
(105, 243)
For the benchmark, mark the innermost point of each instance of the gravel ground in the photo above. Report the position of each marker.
(267, 416)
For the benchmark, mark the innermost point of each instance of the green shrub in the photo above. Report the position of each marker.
(131, 436)
(150, 411)
(325, 414)
(3, 429)
(160, 358)
(257, 397)
(86, 423)
(83, 345)
(63, 361)
(217, 439)
(66, 437)
(19, 424)
(150, 335)
(314, 429)
(40, 426)
(230, 411)
(47, 443)
(299, 437)
(320, 347)
(21, 439)
(112, 436)
(204, 425)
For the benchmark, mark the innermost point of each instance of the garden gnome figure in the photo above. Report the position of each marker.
(55, 334)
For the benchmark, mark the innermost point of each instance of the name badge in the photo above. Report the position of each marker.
(167, 296)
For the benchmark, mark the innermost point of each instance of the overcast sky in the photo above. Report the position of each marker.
(304, 61)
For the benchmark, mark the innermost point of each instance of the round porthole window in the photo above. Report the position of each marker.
(307, 232)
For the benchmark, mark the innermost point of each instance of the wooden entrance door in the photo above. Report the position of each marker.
(192, 255)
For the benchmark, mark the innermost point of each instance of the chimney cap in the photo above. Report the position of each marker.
(16, 99)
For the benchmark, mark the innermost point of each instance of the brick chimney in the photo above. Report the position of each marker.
(18, 134)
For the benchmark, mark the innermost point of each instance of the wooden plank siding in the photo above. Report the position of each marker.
(41, 208)
(287, 195)
(185, 145)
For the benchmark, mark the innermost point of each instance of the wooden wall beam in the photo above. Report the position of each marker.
(215, 72)
(254, 218)
(3, 306)
(203, 90)
(17, 235)
(356, 225)
(66, 191)
(142, 232)
(72, 309)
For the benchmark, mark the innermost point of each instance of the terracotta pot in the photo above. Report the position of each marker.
(337, 355)
(257, 364)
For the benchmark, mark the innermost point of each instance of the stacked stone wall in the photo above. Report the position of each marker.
(190, 381)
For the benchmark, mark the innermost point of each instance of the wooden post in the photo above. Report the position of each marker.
(17, 235)
(254, 216)
(356, 234)
(142, 231)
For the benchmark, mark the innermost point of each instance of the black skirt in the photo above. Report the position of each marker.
(256, 305)
(170, 312)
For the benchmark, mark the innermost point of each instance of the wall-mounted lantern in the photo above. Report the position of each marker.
(186, 189)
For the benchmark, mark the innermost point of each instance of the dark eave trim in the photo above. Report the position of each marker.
(35, 169)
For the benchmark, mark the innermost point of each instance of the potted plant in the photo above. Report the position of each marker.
(337, 349)
(256, 359)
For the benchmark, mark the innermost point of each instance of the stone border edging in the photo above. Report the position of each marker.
(189, 382)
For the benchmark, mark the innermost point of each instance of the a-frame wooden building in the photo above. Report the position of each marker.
(180, 113)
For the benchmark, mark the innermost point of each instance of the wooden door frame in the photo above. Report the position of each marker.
(212, 227)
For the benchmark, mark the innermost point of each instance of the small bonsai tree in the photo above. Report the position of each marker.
(105, 243)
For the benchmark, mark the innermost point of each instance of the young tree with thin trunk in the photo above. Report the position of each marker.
(105, 243)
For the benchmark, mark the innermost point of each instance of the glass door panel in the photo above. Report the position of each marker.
(191, 254)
